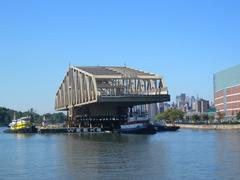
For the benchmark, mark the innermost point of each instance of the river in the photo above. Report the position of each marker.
(186, 154)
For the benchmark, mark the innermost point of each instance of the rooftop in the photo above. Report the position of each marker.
(116, 71)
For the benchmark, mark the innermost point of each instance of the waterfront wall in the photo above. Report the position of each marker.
(211, 127)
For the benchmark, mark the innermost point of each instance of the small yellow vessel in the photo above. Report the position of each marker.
(22, 125)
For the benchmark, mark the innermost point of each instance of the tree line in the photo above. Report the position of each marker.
(171, 115)
(7, 115)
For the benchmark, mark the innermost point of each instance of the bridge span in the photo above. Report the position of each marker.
(103, 96)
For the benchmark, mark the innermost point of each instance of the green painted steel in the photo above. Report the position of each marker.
(227, 78)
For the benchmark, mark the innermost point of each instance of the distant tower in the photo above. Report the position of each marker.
(197, 96)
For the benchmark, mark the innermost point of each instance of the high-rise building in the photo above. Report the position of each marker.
(152, 110)
(194, 104)
(181, 102)
(227, 91)
(163, 107)
(191, 104)
(202, 106)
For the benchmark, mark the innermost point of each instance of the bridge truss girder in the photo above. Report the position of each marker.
(78, 88)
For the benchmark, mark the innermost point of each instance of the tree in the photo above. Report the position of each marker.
(220, 116)
(171, 115)
(211, 118)
(204, 117)
(6, 116)
(175, 114)
(160, 116)
(195, 117)
(187, 118)
(55, 117)
(238, 116)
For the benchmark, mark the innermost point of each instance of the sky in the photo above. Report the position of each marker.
(185, 41)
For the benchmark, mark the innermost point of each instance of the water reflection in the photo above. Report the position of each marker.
(187, 154)
(108, 156)
(228, 148)
(23, 136)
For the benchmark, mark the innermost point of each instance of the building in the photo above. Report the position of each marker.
(227, 91)
(162, 107)
(192, 103)
(202, 106)
(181, 102)
(185, 103)
(152, 110)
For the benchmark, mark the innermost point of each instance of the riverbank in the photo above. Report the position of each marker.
(211, 126)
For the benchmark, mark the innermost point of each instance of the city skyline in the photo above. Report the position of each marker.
(185, 42)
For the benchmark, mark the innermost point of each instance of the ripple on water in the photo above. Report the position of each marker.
(187, 154)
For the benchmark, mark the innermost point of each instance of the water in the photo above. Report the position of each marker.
(187, 154)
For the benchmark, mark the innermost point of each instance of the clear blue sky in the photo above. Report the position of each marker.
(186, 41)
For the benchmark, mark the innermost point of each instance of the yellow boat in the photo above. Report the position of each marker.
(22, 125)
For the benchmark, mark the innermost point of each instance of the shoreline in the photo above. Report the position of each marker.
(211, 126)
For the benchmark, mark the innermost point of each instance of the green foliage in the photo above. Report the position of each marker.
(171, 115)
(195, 117)
(238, 116)
(211, 118)
(187, 118)
(160, 116)
(7, 115)
(204, 117)
(55, 118)
(220, 116)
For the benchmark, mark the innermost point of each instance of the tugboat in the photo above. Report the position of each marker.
(161, 127)
(137, 125)
(22, 125)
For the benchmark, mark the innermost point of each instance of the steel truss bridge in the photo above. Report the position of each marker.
(102, 96)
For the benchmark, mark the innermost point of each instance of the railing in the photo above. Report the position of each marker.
(113, 92)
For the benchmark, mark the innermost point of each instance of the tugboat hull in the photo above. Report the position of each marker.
(141, 129)
(166, 128)
(32, 129)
